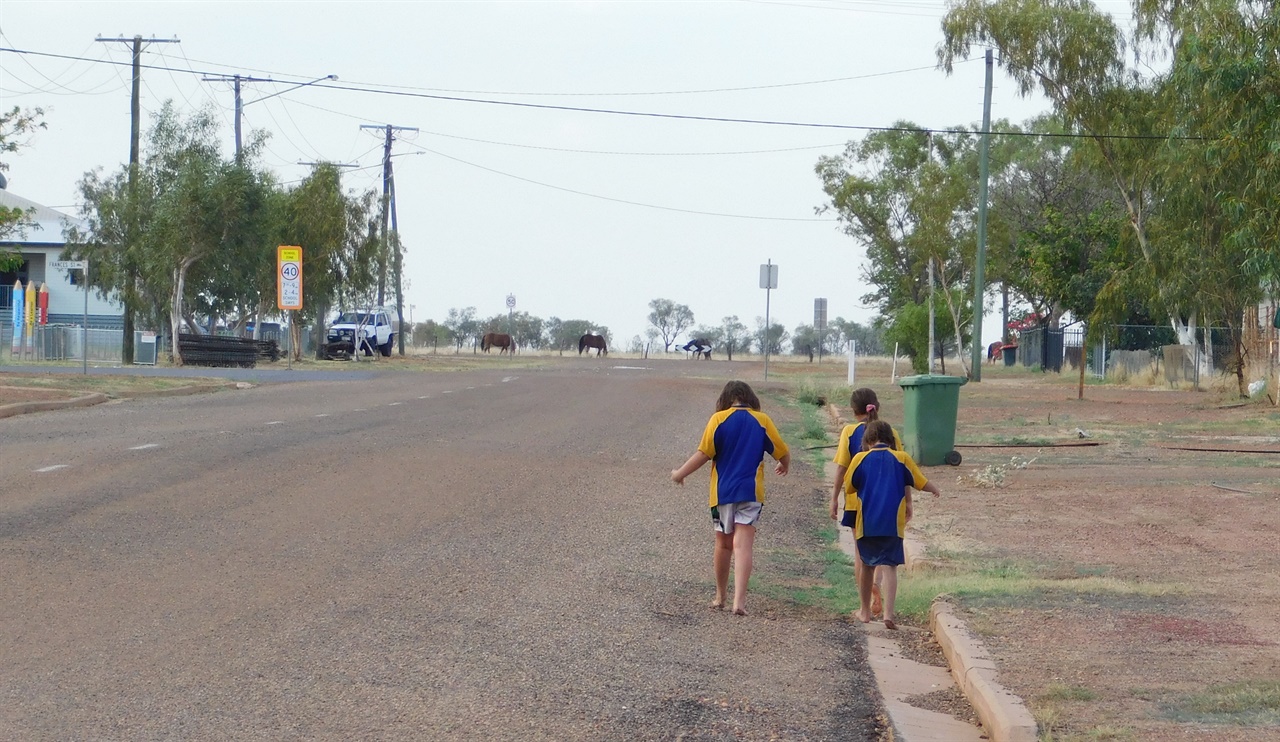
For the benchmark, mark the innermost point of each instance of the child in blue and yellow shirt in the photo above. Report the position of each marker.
(883, 479)
(736, 440)
(866, 409)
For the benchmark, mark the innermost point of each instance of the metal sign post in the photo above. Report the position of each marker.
(289, 286)
(511, 305)
(83, 267)
(820, 324)
(768, 282)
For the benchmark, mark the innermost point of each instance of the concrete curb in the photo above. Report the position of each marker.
(1003, 714)
(178, 391)
(23, 408)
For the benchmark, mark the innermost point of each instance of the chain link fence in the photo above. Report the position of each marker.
(62, 343)
(1138, 351)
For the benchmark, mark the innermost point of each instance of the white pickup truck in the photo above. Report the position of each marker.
(372, 326)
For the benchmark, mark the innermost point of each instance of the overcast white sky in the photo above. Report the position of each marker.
(476, 228)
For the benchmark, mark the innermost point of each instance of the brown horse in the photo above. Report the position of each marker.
(593, 341)
(993, 351)
(499, 340)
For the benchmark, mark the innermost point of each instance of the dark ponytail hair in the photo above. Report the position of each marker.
(737, 392)
(877, 431)
(864, 402)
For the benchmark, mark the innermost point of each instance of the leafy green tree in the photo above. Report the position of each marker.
(335, 232)
(869, 339)
(669, 319)
(908, 328)
(733, 334)
(462, 326)
(1075, 55)
(14, 124)
(907, 197)
(773, 338)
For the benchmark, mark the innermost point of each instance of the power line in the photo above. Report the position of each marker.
(677, 116)
(621, 200)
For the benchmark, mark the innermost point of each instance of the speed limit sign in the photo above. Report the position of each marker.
(289, 277)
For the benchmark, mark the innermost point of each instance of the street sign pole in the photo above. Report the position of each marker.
(768, 282)
(289, 288)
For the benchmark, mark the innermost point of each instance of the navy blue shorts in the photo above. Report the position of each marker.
(877, 551)
(850, 519)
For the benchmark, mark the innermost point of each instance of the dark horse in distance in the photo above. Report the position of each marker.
(499, 340)
(588, 341)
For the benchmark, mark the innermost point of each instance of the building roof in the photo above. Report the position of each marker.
(49, 226)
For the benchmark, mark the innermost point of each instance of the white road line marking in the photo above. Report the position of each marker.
(505, 379)
(447, 391)
(275, 422)
(360, 409)
(55, 467)
(393, 404)
(323, 414)
(425, 396)
(471, 387)
(143, 446)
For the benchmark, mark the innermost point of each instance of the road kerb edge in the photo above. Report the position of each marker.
(22, 408)
(1003, 714)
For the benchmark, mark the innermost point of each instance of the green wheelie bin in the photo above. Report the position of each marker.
(930, 404)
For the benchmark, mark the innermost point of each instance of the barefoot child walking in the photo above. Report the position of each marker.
(866, 409)
(736, 439)
(883, 479)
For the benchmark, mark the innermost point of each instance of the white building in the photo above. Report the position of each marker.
(39, 245)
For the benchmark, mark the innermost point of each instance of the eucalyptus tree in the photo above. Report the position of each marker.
(1056, 227)
(335, 230)
(669, 319)
(908, 197)
(732, 332)
(1075, 55)
(14, 124)
(770, 339)
(462, 325)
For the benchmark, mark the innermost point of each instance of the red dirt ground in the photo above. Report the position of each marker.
(1196, 564)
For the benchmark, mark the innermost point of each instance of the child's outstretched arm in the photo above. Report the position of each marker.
(784, 465)
(835, 491)
(932, 488)
(694, 463)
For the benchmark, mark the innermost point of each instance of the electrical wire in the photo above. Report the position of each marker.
(621, 200)
(54, 80)
(685, 117)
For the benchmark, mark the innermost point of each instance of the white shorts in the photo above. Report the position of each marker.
(725, 516)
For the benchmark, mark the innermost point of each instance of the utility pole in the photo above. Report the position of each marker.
(135, 143)
(388, 213)
(979, 277)
(237, 80)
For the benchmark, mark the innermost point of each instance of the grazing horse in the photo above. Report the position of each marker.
(589, 341)
(993, 351)
(499, 340)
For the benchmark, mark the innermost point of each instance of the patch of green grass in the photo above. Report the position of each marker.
(838, 593)
(1051, 717)
(1246, 703)
(1063, 692)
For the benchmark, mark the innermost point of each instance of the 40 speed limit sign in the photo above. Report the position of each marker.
(289, 277)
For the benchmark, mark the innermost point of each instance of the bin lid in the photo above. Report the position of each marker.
(932, 379)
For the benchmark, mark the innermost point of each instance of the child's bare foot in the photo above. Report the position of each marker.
(863, 616)
(876, 604)
(717, 604)
(889, 624)
(739, 611)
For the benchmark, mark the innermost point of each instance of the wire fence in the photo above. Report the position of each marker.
(62, 343)
(1141, 351)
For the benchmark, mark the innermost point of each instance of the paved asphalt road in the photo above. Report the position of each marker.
(489, 554)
